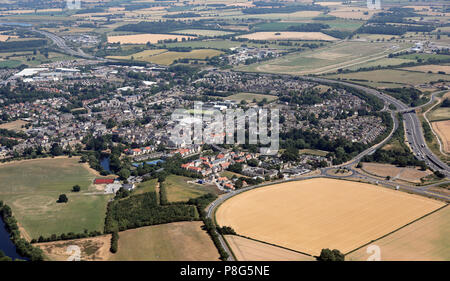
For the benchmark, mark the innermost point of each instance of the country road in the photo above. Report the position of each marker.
(413, 126)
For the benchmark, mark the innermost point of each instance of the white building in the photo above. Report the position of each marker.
(374, 4)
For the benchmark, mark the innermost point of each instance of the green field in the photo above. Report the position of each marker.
(328, 59)
(178, 189)
(381, 62)
(221, 44)
(202, 32)
(424, 56)
(391, 76)
(32, 187)
(179, 241)
(10, 63)
(313, 152)
(146, 186)
(249, 97)
(162, 56)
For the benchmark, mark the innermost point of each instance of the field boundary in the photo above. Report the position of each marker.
(275, 245)
(215, 208)
(387, 234)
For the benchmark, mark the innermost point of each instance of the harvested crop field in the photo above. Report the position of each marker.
(425, 240)
(313, 214)
(250, 250)
(353, 13)
(442, 129)
(144, 38)
(249, 97)
(203, 32)
(91, 249)
(289, 35)
(402, 173)
(4, 37)
(178, 241)
(169, 57)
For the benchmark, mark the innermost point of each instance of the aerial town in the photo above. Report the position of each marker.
(231, 130)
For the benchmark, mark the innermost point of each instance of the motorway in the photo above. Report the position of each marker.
(63, 46)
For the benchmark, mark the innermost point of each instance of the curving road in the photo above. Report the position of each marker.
(61, 43)
(415, 138)
(412, 126)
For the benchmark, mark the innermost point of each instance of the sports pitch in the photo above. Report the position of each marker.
(31, 188)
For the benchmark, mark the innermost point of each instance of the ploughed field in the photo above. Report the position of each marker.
(313, 214)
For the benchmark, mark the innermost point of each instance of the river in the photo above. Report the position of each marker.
(6, 245)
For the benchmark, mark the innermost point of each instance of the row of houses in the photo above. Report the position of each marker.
(207, 165)
(139, 151)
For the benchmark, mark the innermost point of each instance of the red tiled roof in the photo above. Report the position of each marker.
(103, 181)
(197, 169)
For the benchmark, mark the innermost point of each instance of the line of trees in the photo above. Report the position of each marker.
(410, 96)
(202, 203)
(143, 210)
(400, 156)
(114, 242)
(66, 236)
(19, 45)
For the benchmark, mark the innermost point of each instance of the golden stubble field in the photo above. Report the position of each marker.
(442, 128)
(249, 250)
(3, 38)
(313, 214)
